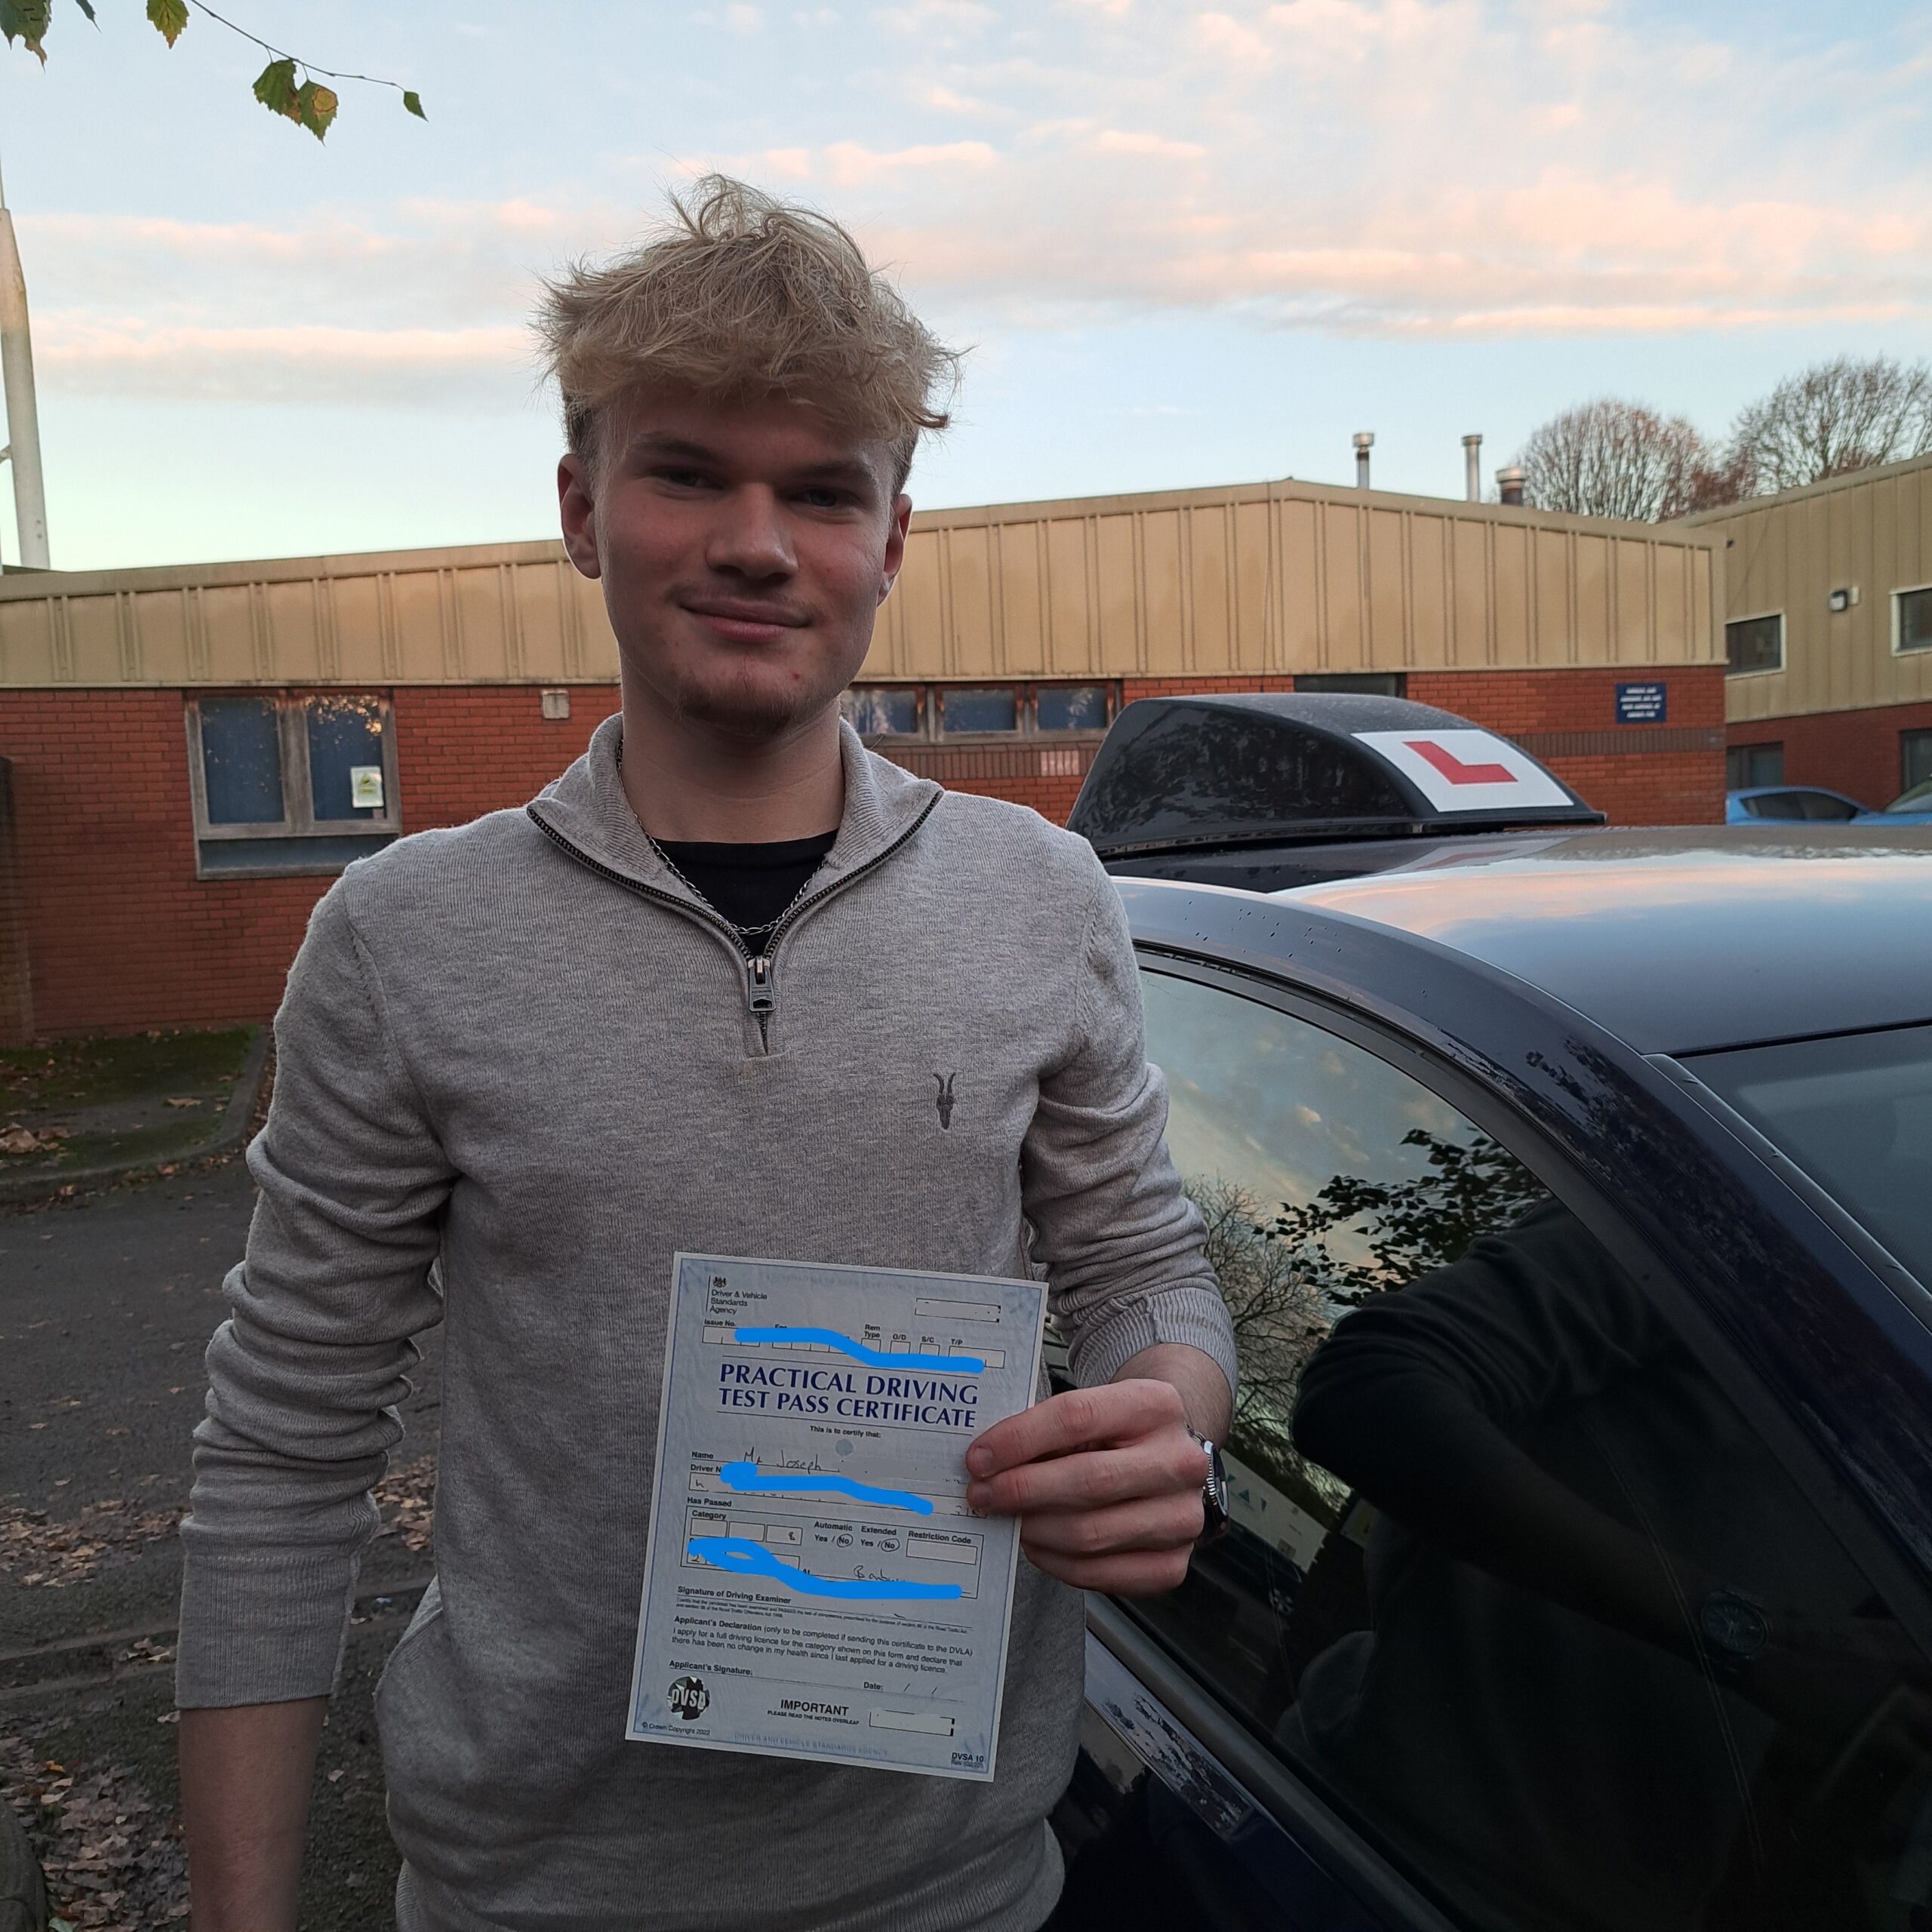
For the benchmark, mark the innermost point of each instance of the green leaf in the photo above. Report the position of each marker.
(414, 102)
(170, 16)
(86, 7)
(315, 107)
(275, 88)
(26, 21)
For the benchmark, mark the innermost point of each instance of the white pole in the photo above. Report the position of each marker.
(23, 419)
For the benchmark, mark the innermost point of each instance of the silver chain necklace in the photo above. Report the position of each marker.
(743, 932)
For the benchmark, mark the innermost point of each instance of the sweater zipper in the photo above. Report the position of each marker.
(761, 988)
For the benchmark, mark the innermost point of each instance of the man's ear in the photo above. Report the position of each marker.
(895, 545)
(577, 510)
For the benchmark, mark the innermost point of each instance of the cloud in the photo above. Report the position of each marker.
(409, 367)
(1415, 169)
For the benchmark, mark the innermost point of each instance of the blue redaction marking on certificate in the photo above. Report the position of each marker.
(748, 1559)
(749, 1479)
(830, 1338)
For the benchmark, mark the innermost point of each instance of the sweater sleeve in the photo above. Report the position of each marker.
(1123, 1245)
(305, 1374)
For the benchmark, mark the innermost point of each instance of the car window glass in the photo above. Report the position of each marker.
(1777, 804)
(1854, 1111)
(1823, 804)
(1512, 1582)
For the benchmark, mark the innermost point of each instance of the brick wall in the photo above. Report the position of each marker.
(121, 935)
(1856, 752)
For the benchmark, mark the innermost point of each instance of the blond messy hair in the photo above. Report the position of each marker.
(746, 296)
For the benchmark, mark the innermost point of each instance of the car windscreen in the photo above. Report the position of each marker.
(1918, 799)
(1853, 1111)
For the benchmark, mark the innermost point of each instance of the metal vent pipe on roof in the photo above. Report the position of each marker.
(1364, 440)
(1472, 468)
(1509, 481)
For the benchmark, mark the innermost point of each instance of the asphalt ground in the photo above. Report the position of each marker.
(107, 1301)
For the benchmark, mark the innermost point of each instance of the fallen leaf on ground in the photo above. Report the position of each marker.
(50, 1556)
(405, 1496)
(183, 1103)
(113, 1856)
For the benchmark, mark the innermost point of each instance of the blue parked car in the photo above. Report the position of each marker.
(1812, 803)
(1571, 1190)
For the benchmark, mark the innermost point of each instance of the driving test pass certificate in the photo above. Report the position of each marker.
(815, 1586)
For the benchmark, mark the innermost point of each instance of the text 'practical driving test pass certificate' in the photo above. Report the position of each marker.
(815, 1586)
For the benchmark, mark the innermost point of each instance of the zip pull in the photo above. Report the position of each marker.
(760, 994)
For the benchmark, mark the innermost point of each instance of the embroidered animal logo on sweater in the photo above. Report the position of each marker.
(944, 1100)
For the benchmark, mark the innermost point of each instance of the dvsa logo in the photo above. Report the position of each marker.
(688, 1698)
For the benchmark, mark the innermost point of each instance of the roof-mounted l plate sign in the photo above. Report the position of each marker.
(1466, 770)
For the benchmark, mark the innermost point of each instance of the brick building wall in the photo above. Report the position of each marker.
(1856, 752)
(121, 935)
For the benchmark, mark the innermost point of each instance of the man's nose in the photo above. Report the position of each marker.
(748, 537)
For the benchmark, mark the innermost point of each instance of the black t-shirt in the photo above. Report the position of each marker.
(752, 885)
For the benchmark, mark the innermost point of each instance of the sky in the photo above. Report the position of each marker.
(1185, 244)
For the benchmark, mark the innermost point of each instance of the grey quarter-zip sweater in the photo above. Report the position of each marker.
(519, 1065)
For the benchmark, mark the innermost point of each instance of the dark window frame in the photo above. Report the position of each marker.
(298, 820)
(1736, 779)
(1756, 670)
(931, 693)
(1915, 747)
(1899, 647)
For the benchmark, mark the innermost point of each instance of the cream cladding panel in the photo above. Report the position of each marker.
(1266, 579)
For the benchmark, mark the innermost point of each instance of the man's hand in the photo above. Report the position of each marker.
(1107, 1483)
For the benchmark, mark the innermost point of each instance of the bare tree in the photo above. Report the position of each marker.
(1842, 415)
(1609, 458)
(1280, 1310)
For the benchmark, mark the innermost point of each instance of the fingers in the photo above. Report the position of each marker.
(1133, 1574)
(1167, 1465)
(1078, 1419)
(1152, 1523)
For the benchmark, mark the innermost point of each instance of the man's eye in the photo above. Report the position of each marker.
(823, 497)
(684, 479)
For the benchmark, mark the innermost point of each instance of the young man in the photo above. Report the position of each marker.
(701, 994)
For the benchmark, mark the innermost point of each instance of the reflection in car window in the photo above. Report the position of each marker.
(1512, 1582)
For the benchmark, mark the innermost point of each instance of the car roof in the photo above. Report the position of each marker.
(1678, 940)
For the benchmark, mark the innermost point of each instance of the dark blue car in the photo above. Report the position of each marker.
(1571, 1190)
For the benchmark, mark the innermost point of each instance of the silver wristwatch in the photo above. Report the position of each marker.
(1214, 1514)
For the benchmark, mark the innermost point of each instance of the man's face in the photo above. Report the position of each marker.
(745, 549)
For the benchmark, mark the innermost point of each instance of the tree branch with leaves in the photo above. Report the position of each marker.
(289, 85)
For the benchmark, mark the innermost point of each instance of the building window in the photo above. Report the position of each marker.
(1915, 759)
(888, 713)
(978, 708)
(1911, 619)
(884, 711)
(290, 784)
(1747, 765)
(1070, 708)
(1754, 644)
(1360, 683)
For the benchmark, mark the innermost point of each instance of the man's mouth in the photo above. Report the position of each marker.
(743, 621)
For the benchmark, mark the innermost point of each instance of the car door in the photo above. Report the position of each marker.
(1525, 1620)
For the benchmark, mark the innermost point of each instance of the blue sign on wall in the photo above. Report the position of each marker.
(1642, 704)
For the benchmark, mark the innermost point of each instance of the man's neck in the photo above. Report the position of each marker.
(686, 783)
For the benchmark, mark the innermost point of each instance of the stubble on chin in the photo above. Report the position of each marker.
(752, 709)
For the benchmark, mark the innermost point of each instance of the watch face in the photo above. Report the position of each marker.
(1733, 1625)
